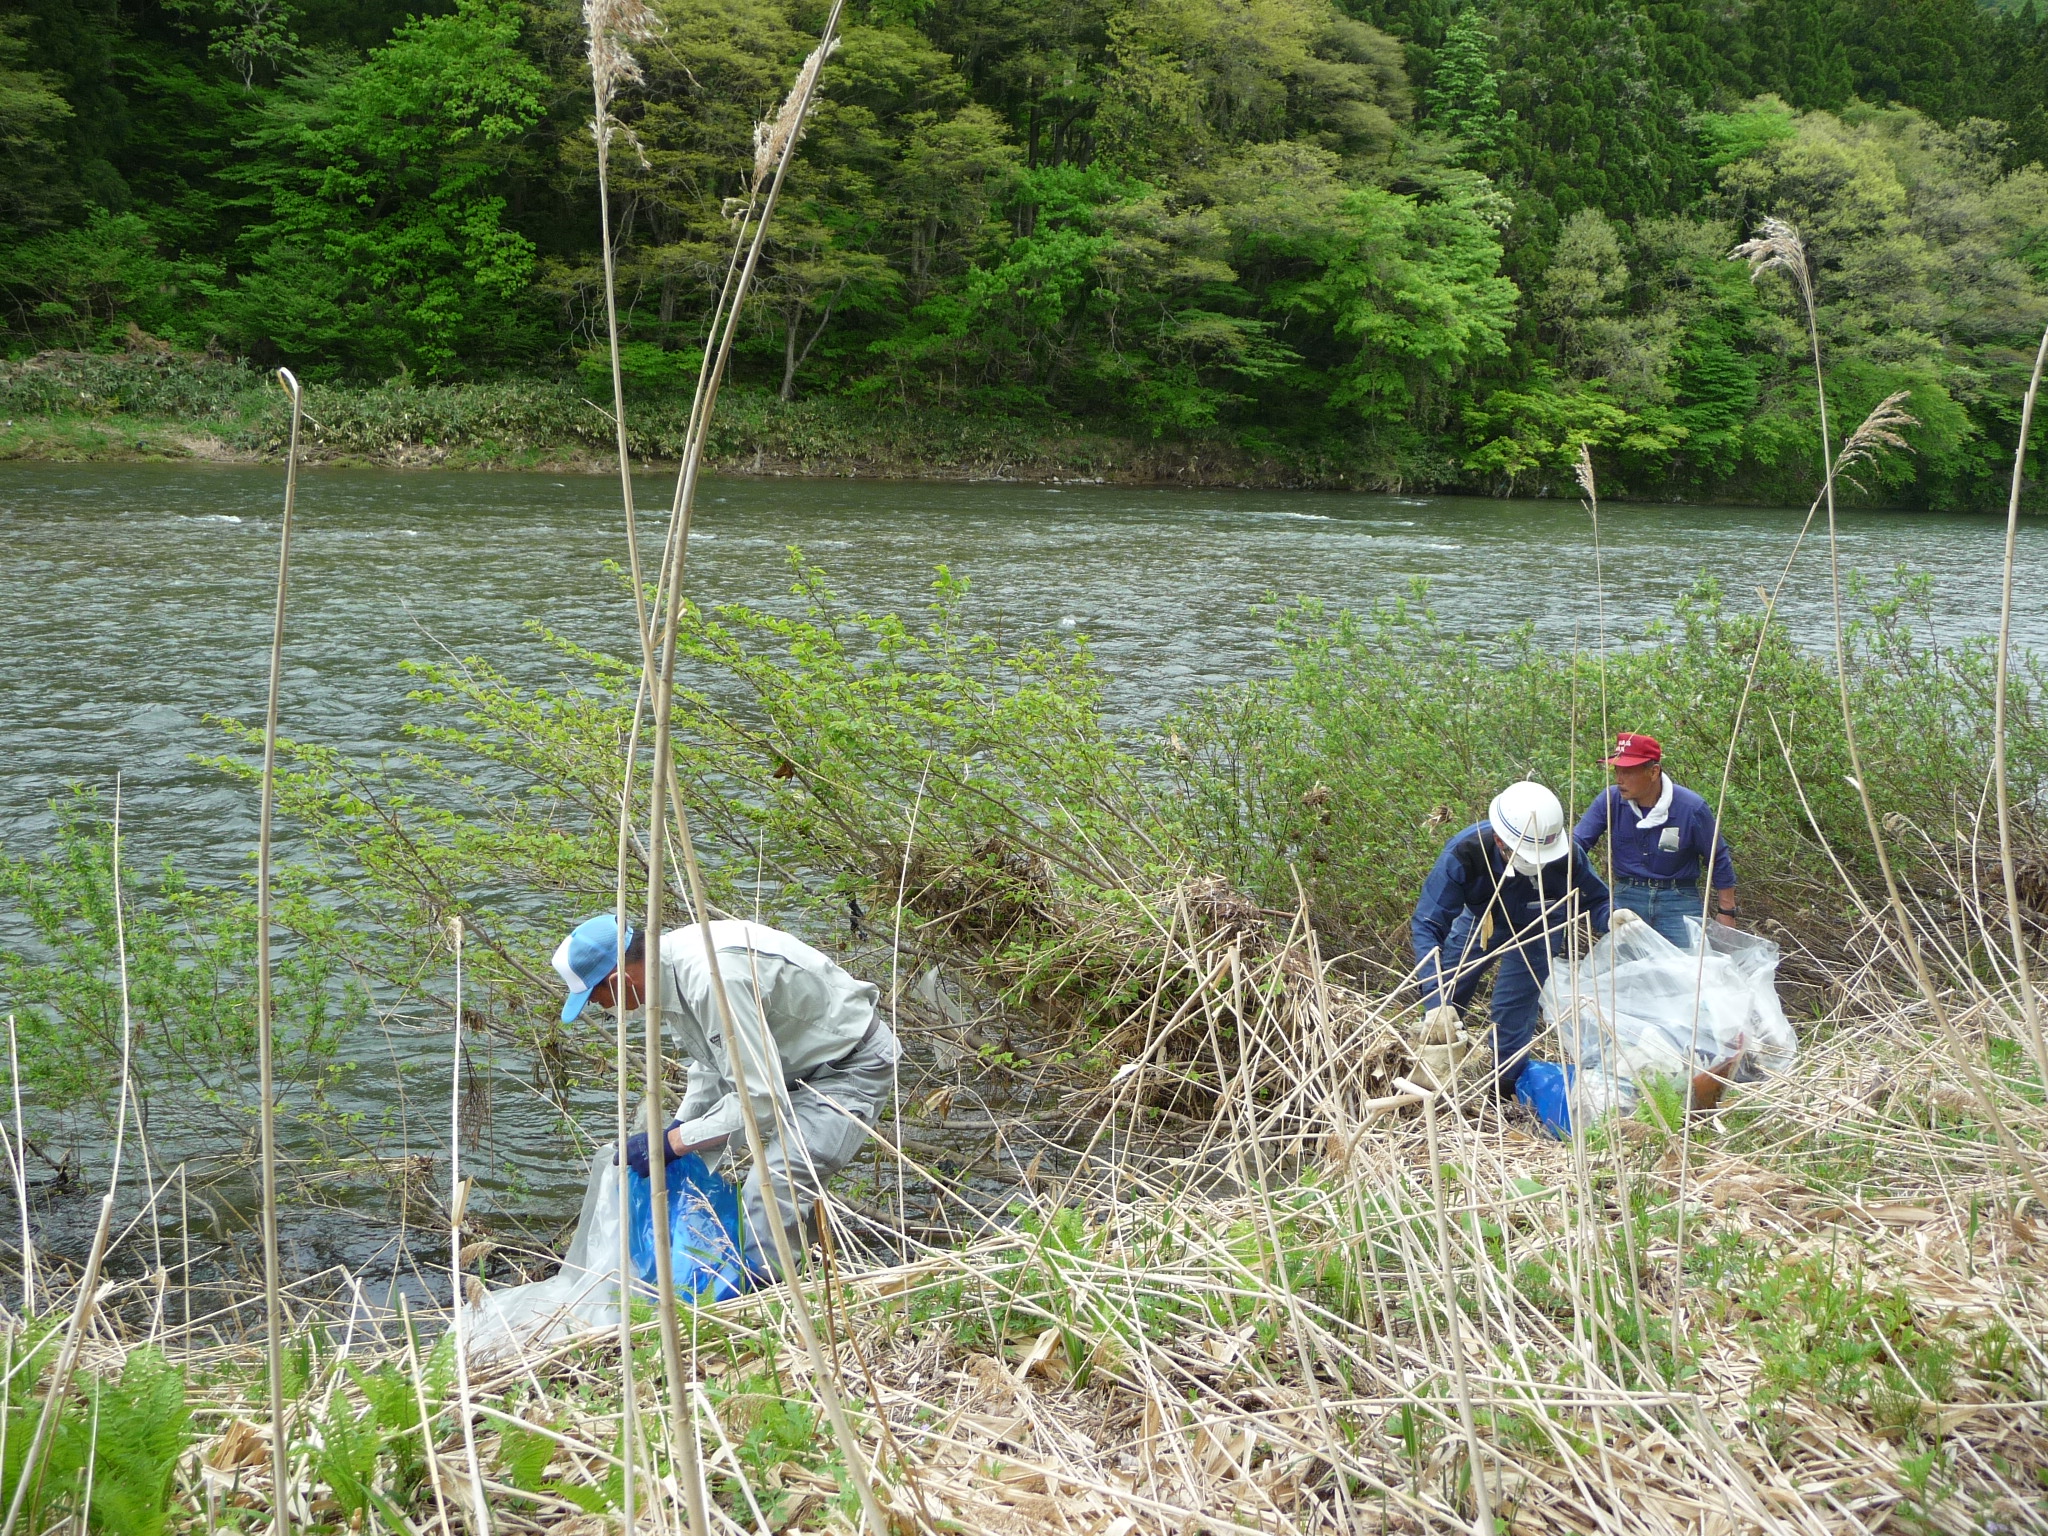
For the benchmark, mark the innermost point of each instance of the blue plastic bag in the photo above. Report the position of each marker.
(703, 1231)
(1547, 1090)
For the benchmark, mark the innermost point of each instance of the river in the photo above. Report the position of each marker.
(139, 601)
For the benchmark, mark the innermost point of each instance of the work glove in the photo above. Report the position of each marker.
(1622, 918)
(1441, 1049)
(1440, 1026)
(637, 1151)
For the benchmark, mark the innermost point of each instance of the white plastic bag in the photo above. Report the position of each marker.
(582, 1298)
(1637, 1006)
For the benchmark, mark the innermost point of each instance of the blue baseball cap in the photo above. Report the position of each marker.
(586, 957)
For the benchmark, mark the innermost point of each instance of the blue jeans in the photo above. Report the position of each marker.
(1524, 967)
(1663, 908)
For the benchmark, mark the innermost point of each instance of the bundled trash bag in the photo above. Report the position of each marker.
(1545, 1090)
(1637, 1006)
(704, 1242)
(703, 1231)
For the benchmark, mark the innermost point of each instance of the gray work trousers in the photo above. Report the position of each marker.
(825, 1138)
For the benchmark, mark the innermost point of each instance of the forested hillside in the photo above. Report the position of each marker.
(1430, 244)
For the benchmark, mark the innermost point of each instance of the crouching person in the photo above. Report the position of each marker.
(1503, 890)
(819, 1059)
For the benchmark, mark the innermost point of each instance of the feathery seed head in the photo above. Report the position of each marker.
(1776, 248)
(1583, 470)
(614, 25)
(773, 135)
(1879, 432)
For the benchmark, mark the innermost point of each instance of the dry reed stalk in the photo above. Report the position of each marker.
(419, 1393)
(458, 1202)
(280, 1453)
(1779, 248)
(20, 1169)
(613, 27)
(1589, 487)
(775, 146)
(895, 987)
(622, 1067)
(2029, 1005)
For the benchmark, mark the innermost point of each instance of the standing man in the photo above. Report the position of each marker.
(819, 1059)
(1505, 889)
(1664, 836)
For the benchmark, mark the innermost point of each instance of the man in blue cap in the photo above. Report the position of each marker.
(819, 1059)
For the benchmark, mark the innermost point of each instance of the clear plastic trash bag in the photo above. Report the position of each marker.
(1637, 1006)
(704, 1245)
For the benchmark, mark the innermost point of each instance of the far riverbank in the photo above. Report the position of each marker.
(162, 407)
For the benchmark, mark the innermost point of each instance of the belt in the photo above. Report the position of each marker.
(837, 1063)
(1663, 885)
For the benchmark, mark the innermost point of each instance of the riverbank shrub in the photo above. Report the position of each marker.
(189, 992)
(1384, 732)
(542, 417)
(836, 761)
(200, 390)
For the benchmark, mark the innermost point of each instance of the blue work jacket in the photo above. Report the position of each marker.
(1675, 851)
(1471, 876)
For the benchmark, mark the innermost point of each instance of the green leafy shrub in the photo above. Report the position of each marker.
(189, 387)
(191, 953)
(1386, 732)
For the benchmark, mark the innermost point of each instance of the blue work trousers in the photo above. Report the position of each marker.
(1524, 967)
(1664, 907)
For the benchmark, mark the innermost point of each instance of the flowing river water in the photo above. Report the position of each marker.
(139, 605)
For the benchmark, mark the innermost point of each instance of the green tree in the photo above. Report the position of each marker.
(32, 113)
(386, 245)
(1918, 236)
(1188, 77)
(1412, 289)
(1464, 91)
(78, 287)
(1600, 118)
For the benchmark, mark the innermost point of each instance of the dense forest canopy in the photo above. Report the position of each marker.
(1449, 242)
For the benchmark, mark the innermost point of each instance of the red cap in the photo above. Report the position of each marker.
(1632, 751)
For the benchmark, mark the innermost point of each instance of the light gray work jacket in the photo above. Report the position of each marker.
(795, 1011)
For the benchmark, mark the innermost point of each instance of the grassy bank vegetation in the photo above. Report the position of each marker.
(1815, 1312)
(82, 406)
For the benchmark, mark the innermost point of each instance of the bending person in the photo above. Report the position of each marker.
(818, 1057)
(1662, 838)
(1504, 889)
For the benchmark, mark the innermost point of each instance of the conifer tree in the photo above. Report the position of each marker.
(1464, 95)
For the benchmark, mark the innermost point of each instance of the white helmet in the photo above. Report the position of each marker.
(1527, 818)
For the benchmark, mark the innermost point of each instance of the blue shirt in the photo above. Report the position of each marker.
(1674, 851)
(1472, 877)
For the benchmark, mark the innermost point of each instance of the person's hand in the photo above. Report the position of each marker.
(1725, 919)
(638, 1150)
(1622, 918)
